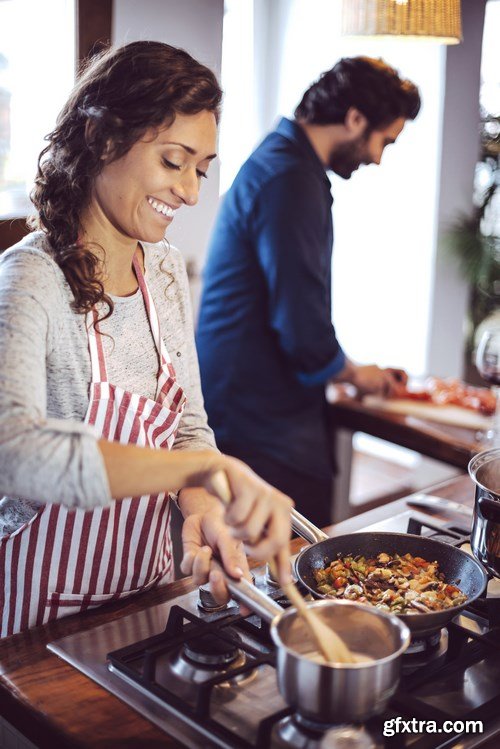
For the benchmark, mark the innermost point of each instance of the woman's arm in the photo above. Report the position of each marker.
(258, 513)
(41, 458)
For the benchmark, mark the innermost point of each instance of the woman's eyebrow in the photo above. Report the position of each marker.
(188, 149)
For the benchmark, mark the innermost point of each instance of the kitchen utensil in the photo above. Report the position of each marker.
(457, 566)
(439, 504)
(484, 470)
(332, 647)
(339, 692)
(330, 644)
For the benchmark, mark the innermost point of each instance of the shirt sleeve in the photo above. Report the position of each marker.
(290, 226)
(41, 459)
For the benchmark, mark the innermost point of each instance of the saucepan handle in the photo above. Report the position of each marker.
(489, 508)
(244, 592)
(307, 530)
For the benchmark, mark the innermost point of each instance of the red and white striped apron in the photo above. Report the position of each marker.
(64, 561)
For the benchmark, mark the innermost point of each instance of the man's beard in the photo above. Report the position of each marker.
(347, 157)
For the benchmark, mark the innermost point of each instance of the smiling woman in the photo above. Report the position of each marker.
(96, 425)
(158, 175)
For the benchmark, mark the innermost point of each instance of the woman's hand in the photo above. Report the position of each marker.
(205, 533)
(259, 515)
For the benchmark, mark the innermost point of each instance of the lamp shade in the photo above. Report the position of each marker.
(438, 20)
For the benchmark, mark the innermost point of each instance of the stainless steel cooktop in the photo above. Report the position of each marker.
(457, 684)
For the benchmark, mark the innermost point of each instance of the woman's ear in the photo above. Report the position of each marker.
(355, 122)
(92, 140)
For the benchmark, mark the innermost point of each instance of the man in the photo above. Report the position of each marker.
(266, 343)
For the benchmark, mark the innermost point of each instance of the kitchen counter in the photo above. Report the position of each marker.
(452, 445)
(54, 705)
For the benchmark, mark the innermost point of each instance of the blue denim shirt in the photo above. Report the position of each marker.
(266, 342)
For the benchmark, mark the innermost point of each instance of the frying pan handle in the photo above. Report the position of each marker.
(307, 530)
(250, 595)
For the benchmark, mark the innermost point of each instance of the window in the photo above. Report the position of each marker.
(37, 69)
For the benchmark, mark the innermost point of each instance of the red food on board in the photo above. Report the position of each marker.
(452, 392)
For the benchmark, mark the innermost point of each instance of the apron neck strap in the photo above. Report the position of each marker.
(97, 359)
(151, 311)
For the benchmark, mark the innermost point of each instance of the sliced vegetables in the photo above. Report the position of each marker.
(399, 584)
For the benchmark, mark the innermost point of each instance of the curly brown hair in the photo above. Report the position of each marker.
(120, 95)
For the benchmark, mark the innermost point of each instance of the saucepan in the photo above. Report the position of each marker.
(458, 567)
(332, 692)
(484, 470)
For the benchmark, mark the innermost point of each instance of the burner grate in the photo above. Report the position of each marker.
(138, 662)
(461, 684)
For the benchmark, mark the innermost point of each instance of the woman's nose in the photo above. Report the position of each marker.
(187, 188)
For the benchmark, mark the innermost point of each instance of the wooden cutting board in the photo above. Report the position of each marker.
(453, 415)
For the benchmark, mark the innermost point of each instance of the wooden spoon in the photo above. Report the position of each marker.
(332, 647)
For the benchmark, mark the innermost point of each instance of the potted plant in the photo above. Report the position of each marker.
(474, 240)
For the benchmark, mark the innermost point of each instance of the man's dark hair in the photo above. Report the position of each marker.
(369, 85)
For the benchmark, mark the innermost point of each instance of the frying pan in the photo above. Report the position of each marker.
(458, 567)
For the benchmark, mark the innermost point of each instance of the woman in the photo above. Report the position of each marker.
(98, 370)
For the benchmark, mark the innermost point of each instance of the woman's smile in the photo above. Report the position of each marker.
(163, 211)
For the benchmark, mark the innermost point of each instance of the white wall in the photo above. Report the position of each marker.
(196, 26)
(396, 300)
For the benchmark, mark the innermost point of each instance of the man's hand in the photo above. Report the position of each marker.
(205, 533)
(371, 379)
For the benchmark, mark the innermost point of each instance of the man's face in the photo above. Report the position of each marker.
(366, 148)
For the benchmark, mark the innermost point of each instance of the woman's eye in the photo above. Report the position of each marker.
(201, 174)
(171, 165)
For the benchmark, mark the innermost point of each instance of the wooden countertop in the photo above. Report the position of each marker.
(54, 705)
(451, 444)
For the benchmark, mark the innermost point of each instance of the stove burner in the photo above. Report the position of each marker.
(212, 651)
(200, 659)
(425, 651)
(299, 732)
(424, 644)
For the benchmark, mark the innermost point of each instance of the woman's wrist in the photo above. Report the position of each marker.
(196, 500)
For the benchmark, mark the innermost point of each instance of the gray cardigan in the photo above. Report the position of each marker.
(47, 453)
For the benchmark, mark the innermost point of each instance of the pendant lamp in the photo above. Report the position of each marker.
(436, 20)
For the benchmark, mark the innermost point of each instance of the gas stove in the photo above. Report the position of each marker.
(206, 675)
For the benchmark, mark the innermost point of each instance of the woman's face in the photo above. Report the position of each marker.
(139, 193)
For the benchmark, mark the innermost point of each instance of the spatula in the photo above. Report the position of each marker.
(332, 647)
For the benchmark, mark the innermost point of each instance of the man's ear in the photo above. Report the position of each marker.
(355, 122)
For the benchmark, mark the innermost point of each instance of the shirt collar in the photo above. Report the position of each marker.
(293, 132)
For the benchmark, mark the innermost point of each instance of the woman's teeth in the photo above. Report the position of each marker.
(161, 208)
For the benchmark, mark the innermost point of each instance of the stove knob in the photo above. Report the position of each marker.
(206, 601)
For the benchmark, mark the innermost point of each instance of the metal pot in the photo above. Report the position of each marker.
(484, 470)
(342, 693)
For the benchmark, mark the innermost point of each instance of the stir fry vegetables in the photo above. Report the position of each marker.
(399, 584)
